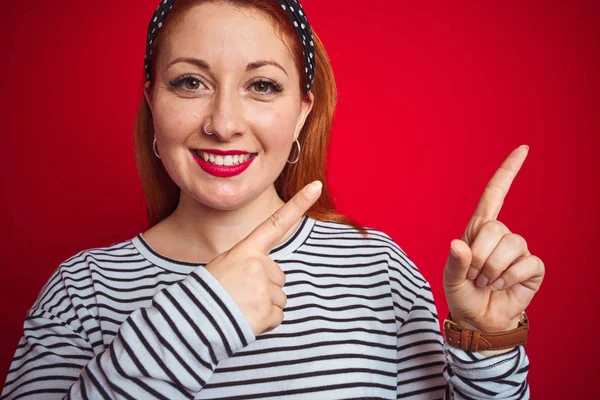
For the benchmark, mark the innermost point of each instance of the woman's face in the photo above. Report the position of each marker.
(225, 66)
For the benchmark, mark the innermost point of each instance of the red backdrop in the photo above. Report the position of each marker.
(432, 97)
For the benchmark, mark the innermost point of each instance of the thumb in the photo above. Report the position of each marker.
(459, 261)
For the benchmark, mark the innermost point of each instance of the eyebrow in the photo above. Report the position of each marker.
(204, 65)
(262, 63)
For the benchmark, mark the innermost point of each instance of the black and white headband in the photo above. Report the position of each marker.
(293, 9)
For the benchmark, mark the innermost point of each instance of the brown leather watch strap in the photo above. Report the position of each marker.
(477, 341)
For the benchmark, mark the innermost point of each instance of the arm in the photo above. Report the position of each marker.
(429, 368)
(168, 350)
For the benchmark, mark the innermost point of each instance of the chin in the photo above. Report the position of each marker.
(229, 205)
(225, 201)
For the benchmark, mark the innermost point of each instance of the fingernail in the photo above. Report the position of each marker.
(525, 147)
(498, 284)
(472, 274)
(482, 281)
(314, 187)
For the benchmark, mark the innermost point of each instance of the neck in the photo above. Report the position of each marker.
(197, 233)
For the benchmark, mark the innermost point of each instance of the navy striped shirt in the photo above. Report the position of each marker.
(125, 322)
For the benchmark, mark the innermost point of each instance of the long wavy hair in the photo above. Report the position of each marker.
(162, 194)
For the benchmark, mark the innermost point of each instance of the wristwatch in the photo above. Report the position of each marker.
(466, 339)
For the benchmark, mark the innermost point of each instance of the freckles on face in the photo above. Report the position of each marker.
(173, 126)
(175, 120)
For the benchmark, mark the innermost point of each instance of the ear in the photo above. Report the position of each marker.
(305, 109)
(148, 93)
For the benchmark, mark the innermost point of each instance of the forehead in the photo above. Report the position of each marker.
(218, 31)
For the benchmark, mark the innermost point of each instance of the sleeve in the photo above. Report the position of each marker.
(168, 350)
(428, 368)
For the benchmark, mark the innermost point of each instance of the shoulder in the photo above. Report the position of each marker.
(76, 271)
(402, 269)
(112, 254)
(119, 249)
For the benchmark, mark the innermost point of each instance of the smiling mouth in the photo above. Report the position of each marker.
(224, 160)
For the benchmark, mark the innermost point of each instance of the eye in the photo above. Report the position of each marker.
(264, 86)
(191, 83)
(187, 83)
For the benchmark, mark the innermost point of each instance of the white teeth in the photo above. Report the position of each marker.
(223, 160)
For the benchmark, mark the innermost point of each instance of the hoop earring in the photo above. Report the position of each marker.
(206, 131)
(298, 156)
(154, 148)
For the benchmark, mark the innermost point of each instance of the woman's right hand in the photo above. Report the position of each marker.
(252, 279)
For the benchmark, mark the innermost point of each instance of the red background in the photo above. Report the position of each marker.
(432, 98)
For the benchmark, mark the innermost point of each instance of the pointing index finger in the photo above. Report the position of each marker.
(491, 201)
(268, 234)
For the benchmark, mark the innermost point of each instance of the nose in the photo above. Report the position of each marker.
(227, 119)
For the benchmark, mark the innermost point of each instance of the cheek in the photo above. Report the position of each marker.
(275, 126)
(175, 120)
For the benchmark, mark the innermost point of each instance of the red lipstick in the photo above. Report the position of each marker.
(222, 171)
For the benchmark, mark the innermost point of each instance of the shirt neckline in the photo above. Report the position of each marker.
(280, 252)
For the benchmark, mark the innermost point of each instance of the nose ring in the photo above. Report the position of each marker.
(206, 130)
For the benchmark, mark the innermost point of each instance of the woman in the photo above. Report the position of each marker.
(230, 142)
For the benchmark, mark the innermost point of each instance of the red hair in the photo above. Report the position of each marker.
(162, 194)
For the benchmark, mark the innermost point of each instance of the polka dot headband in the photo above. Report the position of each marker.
(293, 9)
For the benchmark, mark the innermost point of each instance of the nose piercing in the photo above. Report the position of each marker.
(206, 130)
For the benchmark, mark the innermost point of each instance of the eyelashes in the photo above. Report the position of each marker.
(267, 83)
(191, 84)
(178, 83)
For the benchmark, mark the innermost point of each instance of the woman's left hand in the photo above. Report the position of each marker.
(494, 276)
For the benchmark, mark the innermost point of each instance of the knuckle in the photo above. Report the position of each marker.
(285, 300)
(516, 274)
(282, 278)
(282, 296)
(477, 261)
(278, 315)
(493, 188)
(254, 263)
(277, 275)
(539, 263)
(479, 257)
(253, 260)
(493, 268)
(255, 268)
(516, 240)
(495, 226)
(297, 201)
(276, 220)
